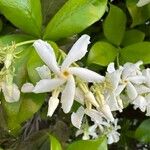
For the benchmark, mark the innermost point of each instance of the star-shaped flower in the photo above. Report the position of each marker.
(65, 74)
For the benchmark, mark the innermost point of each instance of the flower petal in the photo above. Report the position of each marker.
(140, 102)
(86, 74)
(137, 79)
(27, 88)
(131, 91)
(44, 72)
(11, 92)
(52, 105)
(46, 52)
(79, 96)
(78, 50)
(68, 94)
(111, 68)
(142, 89)
(142, 3)
(76, 118)
(47, 85)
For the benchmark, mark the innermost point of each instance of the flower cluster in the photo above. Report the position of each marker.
(121, 86)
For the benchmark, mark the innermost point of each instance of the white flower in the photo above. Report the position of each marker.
(88, 132)
(131, 76)
(10, 91)
(112, 93)
(142, 3)
(65, 73)
(113, 135)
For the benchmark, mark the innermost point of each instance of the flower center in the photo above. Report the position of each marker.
(65, 74)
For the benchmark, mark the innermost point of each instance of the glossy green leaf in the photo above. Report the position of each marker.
(139, 14)
(74, 17)
(114, 25)
(24, 14)
(55, 145)
(22, 110)
(50, 8)
(136, 52)
(142, 133)
(35, 61)
(132, 36)
(102, 53)
(99, 144)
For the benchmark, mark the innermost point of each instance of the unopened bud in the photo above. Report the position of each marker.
(90, 97)
(8, 60)
(52, 105)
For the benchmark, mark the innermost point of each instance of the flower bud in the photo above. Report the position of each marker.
(90, 97)
(8, 60)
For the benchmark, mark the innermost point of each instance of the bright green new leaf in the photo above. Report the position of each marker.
(74, 17)
(142, 133)
(136, 52)
(25, 14)
(139, 14)
(102, 53)
(132, 36)
(54, 145)
(98, 144)
(114, 25)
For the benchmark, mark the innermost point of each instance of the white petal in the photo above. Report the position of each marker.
(142, 89)
(52, 105)
(27, 88)
(92, 131)
(47, 85)
(142, 3)
(119, 89)
(78, 50)
(95, 115)
(76, 118)
(68, 95)
(137, 79)
(140, 102)
(86, 74)
(44, 72)
(112, 102)
(146, 73)
(131, 91)
(46, 52)
(79, 96)
(111, 68)
(11, 92)
(148, 110)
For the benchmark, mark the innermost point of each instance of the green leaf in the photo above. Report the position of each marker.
(74, 17)
(102, 53)
(41, 140)
(50, 8)
(142, 133)
(98, 144)
(35, 61)
(114, 25)
(139, 14)
(22, 110)
(24, 14)
(136, 52)
(1, 25)
(132, 36)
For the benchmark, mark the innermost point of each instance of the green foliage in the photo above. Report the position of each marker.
(132, 36)
(139, 14)
(23, 14)
(74, 17)
(18, 112)
(41, 140)
(136, 52)
(102, 53)
(99, 144)
(114, 25)
(142, 133)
